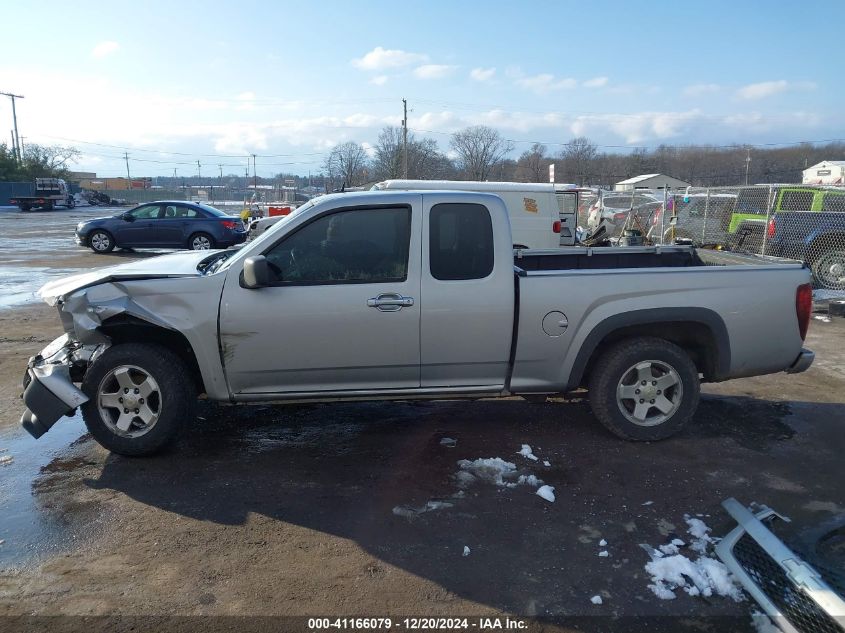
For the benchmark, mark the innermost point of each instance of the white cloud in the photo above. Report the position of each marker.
(379, 80)
(482, 74)
(105, 48)
(763, 89)
(596, 82)
(697, 90)
(433, 71)
(382, 58)
(545, 83)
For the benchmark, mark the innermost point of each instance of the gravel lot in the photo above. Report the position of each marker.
(309, 510)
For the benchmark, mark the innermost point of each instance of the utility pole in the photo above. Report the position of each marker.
(199, 172)
(747, 164)
(254, 175)
(128, 179)
(405, 139)
(17, 138)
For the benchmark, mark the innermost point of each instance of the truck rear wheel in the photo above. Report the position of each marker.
(644, 389)
(828, 266)
(140, 398)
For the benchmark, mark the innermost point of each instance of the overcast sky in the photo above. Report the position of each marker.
(179, 81)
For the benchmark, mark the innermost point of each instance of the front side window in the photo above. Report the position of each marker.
(833, 202)
(566, 202)
(355, 246)
(460, 241)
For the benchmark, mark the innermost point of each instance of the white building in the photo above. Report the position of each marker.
(827, 172)
(650, 181)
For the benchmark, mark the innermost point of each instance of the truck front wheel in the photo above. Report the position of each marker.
(140, 398)
(644, 389)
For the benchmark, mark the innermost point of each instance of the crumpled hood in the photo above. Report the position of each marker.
(181, 264)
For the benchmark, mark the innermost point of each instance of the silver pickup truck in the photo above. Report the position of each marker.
(410, 295)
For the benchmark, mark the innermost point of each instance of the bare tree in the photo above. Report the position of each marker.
(532, 165)
(424, 160)
(479, 148)
(347, 162)
(578, 157)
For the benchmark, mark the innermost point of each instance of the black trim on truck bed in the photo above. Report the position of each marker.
(608, 258)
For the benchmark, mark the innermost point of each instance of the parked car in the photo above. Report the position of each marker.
(702, 219)
(410, 295)
(163, 224)
(613, 208)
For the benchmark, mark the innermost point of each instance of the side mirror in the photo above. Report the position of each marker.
(256, 272)
(128, 217)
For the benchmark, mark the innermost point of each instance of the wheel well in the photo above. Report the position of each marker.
(822, 242)
(695, 338)
(125, 328)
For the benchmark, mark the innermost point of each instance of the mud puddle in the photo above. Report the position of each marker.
(28, 529)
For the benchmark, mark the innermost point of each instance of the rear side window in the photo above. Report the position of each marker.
(833, 202)
(460, 241)
(566, 202)
(796, 201)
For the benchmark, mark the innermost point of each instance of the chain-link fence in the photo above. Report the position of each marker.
(801, 222)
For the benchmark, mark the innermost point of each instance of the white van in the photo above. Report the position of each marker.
(542, 215)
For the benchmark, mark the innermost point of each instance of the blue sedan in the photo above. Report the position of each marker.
(165, 224)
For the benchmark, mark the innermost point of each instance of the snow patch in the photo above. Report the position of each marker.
(604, 554)
(491, 469)
(525, 451)
(596, 600)
(822, 318)
(602, 543)
(466, 551)
(410, 512)
(546, 462)
(529, 480)
(448, 442)
(5, 460)
(547, 493)
(648, 503)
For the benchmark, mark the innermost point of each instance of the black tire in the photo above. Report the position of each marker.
(174, 405)
(71, 203)
(25, 207)
(197, 242)
(616, 372)
(101, 241)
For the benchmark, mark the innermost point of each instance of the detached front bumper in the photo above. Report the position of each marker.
(49, 392)
(802, 363)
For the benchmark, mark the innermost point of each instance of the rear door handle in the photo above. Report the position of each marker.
(390, 302)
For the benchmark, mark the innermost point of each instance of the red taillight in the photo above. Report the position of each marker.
(770, 229)
(230, 224)
(556, 226)
(804, 307)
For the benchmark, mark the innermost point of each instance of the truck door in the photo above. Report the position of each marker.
(342, 313)
(467, 294)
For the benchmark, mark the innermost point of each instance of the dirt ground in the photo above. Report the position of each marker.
(315, 510)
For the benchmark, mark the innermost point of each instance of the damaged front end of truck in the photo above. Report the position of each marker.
(146, 298)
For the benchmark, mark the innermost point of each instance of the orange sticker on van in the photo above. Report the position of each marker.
(530, 205)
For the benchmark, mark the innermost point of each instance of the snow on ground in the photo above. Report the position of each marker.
(410, 512)
(822, 318)
(466, 551)
(526, 452)
(596, 600)
(448, 442)
(546, 462)
(671, 570)
(547, 492)
(648, 503)
(493, 470)
(602, 543)
(763, 623)
(5, 460)
(604, 553)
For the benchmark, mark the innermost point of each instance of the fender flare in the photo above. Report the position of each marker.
(702, 316)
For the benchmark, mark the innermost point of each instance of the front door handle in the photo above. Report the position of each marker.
(390, 302)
